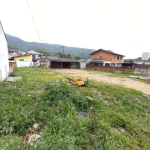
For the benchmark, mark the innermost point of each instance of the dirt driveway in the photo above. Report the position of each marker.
(126, 82)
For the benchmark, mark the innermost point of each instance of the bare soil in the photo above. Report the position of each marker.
(126, 82)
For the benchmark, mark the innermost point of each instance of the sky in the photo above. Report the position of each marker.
(122, 26)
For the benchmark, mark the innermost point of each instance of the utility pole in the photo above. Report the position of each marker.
(63, 50)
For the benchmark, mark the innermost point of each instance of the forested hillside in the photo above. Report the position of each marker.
(15, 42)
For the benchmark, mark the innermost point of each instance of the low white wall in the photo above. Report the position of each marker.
(82, 64)
(142, 71)
(148, 72)
(4, 64)
(24, 64)
(107, 62)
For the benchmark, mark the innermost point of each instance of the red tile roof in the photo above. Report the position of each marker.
(107, 51)
(140, 59)
(13, 49)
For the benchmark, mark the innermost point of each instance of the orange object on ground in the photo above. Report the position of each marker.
(78, 81)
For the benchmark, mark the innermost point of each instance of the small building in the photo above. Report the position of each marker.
(35, 57)
(139, 60)
(4, 64)
(55, 62)
(106, 58)
(23, 60)
(12, 52)
(82, 64)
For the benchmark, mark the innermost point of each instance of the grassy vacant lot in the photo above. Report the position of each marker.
(96, 117)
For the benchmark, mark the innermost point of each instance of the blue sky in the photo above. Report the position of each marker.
(122, 26)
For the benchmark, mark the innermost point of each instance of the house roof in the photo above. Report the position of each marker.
(23, 55)
(140, 59)
(106, 51)
(32, 52)
(13, 49)
(56, 59)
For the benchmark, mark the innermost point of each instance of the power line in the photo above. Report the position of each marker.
(35, 25)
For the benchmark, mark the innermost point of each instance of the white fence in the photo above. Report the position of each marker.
(24, 64)
(142, 71)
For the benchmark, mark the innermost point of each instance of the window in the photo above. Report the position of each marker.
(107, 64)
(95, 64)
(114, 57)
(117, 57)
(21, 59)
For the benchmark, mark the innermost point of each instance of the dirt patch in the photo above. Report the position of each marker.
(37, 92)
(126, 82)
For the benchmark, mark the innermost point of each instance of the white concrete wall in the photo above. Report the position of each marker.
(141, 62)
(24, 64)
(82, 64)
(149, 72)
(4, 64)
(142, 71)
(108, 62)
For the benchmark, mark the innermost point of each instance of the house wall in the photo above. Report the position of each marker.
(142, 62)
(35, 56)
(12, 64)
(74, 65)
(47, 63)
(109, 68)
(4, 64)
(55, 65)
(104, 55)
(24, 64)
(27, 58)
(142, 71)
(82, 64)
(12, 52)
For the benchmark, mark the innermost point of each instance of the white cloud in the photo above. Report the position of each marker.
(119, 25)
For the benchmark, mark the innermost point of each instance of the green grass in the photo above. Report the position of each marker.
(116, 118)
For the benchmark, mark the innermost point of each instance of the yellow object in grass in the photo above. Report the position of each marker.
(78, 81)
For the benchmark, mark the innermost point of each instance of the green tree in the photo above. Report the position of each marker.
(61, 55)
(69, 56)
(77, 57)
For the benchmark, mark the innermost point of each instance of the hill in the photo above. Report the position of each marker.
(15, 42)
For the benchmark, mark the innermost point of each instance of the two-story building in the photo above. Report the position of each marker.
(106, 58)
